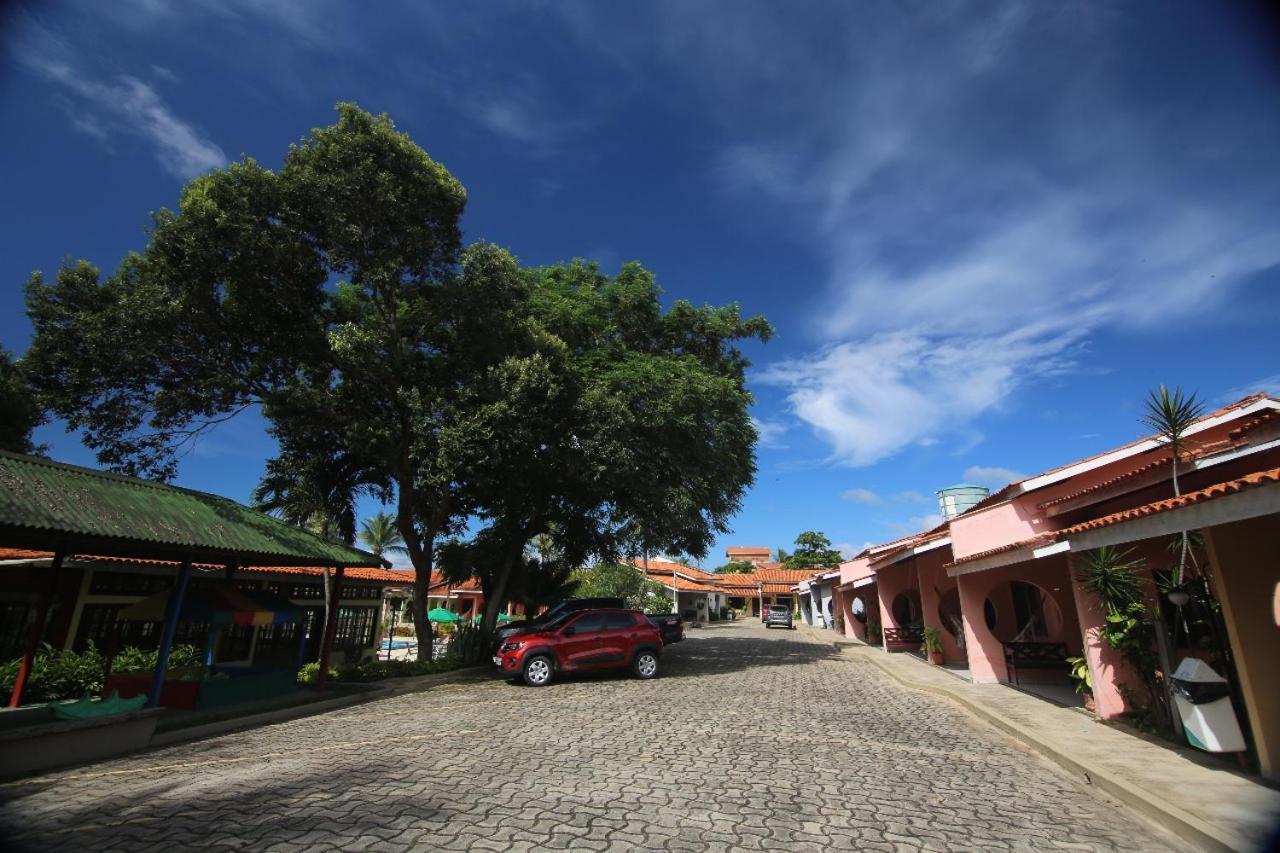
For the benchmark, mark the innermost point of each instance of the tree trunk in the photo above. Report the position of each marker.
(422, 626)
(421, 550)
(495, 599)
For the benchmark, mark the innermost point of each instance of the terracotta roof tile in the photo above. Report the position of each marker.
(1218, 490)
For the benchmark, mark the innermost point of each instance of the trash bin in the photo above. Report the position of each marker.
(1204, 703)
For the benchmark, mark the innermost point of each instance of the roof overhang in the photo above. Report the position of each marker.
(1256, 502)
(1154, 476)
(1049, 479)
(1008, 558)
(909, 553)
(1239, 506)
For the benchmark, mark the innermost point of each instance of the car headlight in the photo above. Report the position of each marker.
(512, 646)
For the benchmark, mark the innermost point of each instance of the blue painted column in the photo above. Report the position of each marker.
(170, 629)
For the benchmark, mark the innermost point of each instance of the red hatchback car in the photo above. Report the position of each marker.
(584, 640)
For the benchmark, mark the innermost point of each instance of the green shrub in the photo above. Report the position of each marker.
(55, 675)
(311, 671)
(133, 659)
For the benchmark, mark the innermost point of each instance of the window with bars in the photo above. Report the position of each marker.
(13, 628)
(351, 591)
(98, 620)
(355, 627)
(128, 583)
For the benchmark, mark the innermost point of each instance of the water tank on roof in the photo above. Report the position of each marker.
(957, 499)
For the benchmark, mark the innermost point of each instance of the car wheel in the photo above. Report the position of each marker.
(646, 665)
(537, 670)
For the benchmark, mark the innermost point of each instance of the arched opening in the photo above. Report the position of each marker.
(906, 609)
(1030, 614)
(859, 609)
(950, 616)
(1035, 613)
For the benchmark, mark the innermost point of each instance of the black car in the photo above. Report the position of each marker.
(670, 625)
(568, 605)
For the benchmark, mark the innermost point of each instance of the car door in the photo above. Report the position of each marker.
(619, 637)
(581, 644)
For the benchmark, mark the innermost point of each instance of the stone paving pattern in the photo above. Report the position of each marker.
(748, 739)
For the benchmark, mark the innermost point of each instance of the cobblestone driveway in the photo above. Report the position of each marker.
(749, 739)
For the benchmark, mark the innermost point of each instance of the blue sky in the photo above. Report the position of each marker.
(983, 231)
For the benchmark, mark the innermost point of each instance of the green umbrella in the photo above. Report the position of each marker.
(439, 614)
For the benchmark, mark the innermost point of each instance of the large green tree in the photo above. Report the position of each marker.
(813, 551)
(464, 391)
(618, 580)
(20, 411)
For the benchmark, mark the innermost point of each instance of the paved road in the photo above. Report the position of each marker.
(749, 739)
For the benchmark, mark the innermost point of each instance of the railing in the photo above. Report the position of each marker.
(903, 639)
(1046, 656)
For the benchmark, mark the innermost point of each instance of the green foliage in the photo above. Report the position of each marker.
(1170, 413)
(55, 674)
(1112, 575)
(618, 580)
(20, 411)
(133, 659)
(813, 551)
(379, 535)
(932, 641)
(468, 393)
(874, 636)
(310, 672)
(736, 567)
(1080, 674)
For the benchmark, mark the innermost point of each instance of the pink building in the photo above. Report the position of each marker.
(999, 581)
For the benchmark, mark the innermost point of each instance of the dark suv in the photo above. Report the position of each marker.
(560, 608)
(583, 640)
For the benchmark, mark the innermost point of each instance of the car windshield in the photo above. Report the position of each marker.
(779, 608)
(557, 621)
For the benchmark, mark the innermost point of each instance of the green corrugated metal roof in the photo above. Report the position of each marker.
(51, 505)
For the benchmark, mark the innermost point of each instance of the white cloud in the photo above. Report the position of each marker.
(770, 432)
(125, 106)
(1265, 385)
(861, 496)
(910, 496)
(846, 549)
(870, 398)
(916, 523)
(993, 477)
(976, 233)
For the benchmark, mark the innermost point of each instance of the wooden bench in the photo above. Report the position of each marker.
(903, 639)
(1044, 656)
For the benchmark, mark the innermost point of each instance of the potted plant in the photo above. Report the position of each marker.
(932, 645)
(1083, 679)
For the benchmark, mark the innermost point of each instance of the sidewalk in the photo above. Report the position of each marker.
(1188, 793)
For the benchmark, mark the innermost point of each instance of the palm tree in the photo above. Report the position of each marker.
(1170, 414)
(381, 536)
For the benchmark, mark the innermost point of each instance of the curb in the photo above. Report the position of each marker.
(1188, 827)
(385, 689)
(265, 718)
